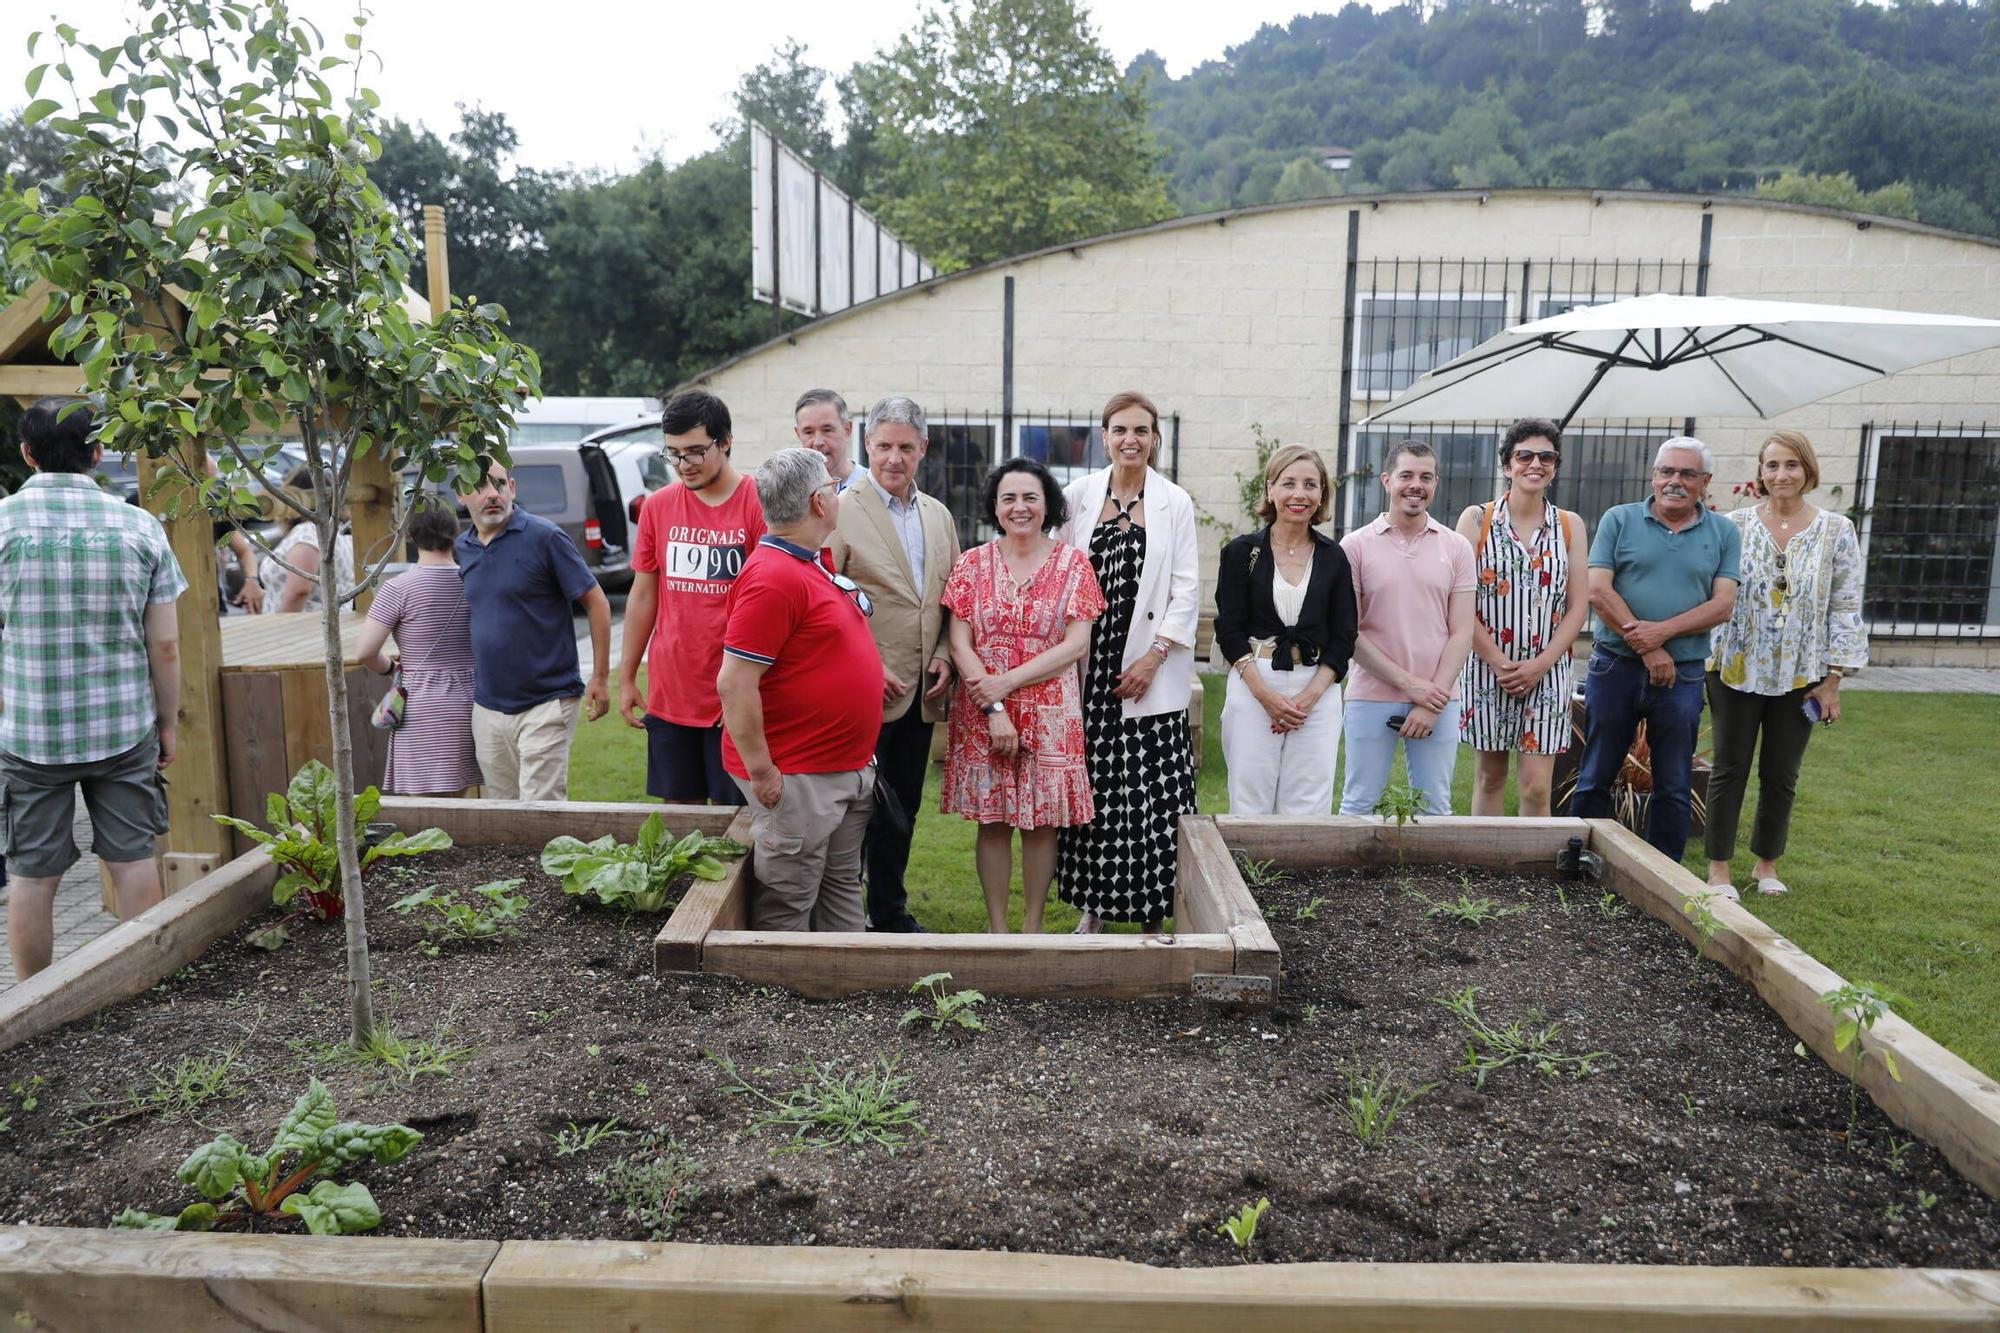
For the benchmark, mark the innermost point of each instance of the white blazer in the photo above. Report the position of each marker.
(1169, 583)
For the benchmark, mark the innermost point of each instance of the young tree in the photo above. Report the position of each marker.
(269, 300)
(1001, 126)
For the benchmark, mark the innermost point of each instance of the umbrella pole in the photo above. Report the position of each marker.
(1603, 369)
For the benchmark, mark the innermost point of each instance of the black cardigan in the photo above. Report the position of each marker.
(1244, 609)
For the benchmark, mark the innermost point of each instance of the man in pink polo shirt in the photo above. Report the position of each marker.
(1413, 579)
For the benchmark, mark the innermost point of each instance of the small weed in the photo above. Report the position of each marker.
(1403, 803)
(592, 1049)
(947, 1007)
(1258, 874)
(1489, 1048)
(640, 1089)
(25, 1093)
(1689, 1107)
(574, 1138)
(830, 1109)
(654, 1183)
(1310, 912)
(1925, 1199)
(1374, 1100)
(1467, 910)
(1898, 1149)
(1562, 899)
(1699, 909)
(1856, 1007)
(1242, 1227)
(1893, 1212)
(1610, 905)
(1309, 1014)
(409, 1057)
(542, 1015)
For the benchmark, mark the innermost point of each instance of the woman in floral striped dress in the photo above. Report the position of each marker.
(1530, 604)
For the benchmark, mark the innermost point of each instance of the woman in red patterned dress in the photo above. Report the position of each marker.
(1021, 609)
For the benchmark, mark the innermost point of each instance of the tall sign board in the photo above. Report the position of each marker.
(812, 249)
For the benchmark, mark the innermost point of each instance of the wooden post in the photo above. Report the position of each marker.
(198, 781)
(437, 260)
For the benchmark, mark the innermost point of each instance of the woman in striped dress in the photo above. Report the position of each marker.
(1530, 604)
(431, 753)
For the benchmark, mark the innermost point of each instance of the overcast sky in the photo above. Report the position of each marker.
(598, 83)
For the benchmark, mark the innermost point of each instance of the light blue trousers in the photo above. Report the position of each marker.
(1371, 751)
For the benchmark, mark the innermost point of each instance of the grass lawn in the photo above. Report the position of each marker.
(1886, 886)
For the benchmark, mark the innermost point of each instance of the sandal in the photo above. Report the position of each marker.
(1771, 886)
(1089, 924)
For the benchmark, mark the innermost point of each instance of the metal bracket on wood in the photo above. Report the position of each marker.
(1229, 988)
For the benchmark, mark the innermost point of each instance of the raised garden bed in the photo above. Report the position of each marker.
(1088, 1126)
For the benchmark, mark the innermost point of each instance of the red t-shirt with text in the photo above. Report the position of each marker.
(698, 550)
(822, 689)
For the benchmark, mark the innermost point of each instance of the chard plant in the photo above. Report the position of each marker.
(253, 1188)
(1404, 804)
(1241, 1226)
(268, 300)
(492, 912)
(637, 876)
(303, 839)
(946, 1007)
(1856, 1006)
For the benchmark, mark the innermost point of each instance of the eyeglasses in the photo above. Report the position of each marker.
(1546, 457)
(854, 590)
(1683, 473)
(694, 455)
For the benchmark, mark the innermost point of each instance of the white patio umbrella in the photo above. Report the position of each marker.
(1683, 356)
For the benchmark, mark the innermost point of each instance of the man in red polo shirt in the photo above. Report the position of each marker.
(801, 686)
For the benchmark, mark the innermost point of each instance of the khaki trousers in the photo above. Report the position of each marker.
(806, 853)
(525, 756)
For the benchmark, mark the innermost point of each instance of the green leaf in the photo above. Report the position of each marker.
(1844, 1033)
(311, 1116)
(197, 1217)
(368, 801)
(408, 844)
(216, 1168)
(1889, 1063)
(652, 833)
(331, 1209)
(34, 83)
(269, 938)
(350, 1141)
(40, 110)
(274, 810)
(562, 855)
(311, 796)
(137, 1220)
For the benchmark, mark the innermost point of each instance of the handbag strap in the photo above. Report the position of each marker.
(451, 617)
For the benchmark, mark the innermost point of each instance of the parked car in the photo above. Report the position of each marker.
(575, 487)
(637, 452)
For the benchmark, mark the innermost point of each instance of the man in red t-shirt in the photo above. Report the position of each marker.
(801, 686)
(694, 537)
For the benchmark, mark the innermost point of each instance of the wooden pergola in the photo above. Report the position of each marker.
(195, 844)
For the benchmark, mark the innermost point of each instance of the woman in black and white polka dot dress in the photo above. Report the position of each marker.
(1139, 530)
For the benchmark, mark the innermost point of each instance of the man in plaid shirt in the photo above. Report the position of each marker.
(90, 677)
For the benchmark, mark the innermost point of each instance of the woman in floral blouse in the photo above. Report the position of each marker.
(1775, 666)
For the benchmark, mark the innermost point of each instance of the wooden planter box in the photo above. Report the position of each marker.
(1221, 945)
(52, 1277)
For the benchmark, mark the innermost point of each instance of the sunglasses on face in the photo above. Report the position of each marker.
(1546, 457)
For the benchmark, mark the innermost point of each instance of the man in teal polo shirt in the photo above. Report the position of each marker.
(1663, 572)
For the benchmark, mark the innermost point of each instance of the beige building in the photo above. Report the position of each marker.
(1297, 320)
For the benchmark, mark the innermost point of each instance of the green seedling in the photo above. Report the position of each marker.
(1374, 1100)
(641, 1089)
(1925, 1199)
(1490, 1048)
(1258, 874)
(592, 1049)
(25, 1093)
(637, 876)
(573, 1138)
(409, 1057)
(1403, 803)
(301, 839)
(1856, 1007)
(1893, 1212)
(654, 1183)
(946, 1008)
(1310, 912)
(239, 1186)
(1242, 1227)
(493, 911)
(1700, 910)
(1898, 1149)
(831, 1109)
(1610, 905)
(1467, 910)
(1689, 1107)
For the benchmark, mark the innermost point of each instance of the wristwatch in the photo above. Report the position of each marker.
(994, 708)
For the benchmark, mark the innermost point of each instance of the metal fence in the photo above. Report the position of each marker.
(1929, 518)
(964, 446)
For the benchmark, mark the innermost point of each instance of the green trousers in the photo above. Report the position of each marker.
(1737, 719)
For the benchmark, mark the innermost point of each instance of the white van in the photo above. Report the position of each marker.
(564, 420)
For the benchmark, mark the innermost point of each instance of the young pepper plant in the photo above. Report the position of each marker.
(302, 840)
(268, 301)
(238, 1185)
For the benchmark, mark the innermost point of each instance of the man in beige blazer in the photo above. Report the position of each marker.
(899, 545)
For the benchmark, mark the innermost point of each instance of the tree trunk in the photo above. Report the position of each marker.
(360, 994)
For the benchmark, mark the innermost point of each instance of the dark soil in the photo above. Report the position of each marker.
(1083, 1127)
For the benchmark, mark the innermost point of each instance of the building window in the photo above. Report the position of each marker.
(1399, 337)
(956, 461)
(1930, 528)
(1068, 448)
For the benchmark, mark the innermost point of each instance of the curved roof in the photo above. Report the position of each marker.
(1223, 216)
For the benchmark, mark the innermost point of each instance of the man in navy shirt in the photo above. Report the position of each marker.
(522, 574)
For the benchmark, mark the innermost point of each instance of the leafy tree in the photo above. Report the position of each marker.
(1003, 126)
(784, 95)
(1305, 178)
(1840, 191)
(290, 269)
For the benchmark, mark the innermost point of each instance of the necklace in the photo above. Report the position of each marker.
(1287, 547)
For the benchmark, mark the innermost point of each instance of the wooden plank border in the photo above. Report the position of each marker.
(536, 1285)
(532, 823)
(1212, 887)
(67, 1277)
(1941, 1098)
(721, 904)
(1307, 841)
